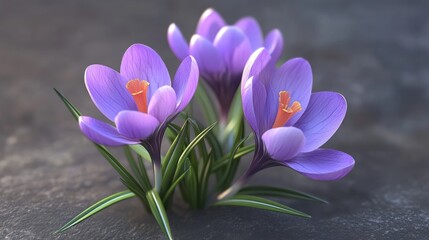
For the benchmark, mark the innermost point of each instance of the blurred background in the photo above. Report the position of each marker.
(376, 53)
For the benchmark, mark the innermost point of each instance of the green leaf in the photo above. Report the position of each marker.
(138, 170)
(205, 180)
(260, 203)
(129, 181)
(98, 206)
(206, 104)
(230, 174)
(140, 150)
(191, 184)
(158, 211)
(278, 192)
(172, 131)
(235, 117)
(172, 157)
(225, 159)
(73, 110)
(191, 146)
(173, 186)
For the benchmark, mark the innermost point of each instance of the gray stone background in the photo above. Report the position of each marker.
(374, 52)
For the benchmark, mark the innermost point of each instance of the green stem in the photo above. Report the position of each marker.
(231, 191)
(157, 174)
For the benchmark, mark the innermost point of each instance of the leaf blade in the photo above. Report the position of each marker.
(158, 212)
(278, 192)
(259, 203)
(97, 207)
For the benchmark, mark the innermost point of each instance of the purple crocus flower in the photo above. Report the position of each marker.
(139, 100)
(222, 51)
(291, 123)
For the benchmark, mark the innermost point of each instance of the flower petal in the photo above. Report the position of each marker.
(234, 47)
(322, 164)
(253, 101)
(136, 125)
(177, 42)
(324, 115)
(274, 44)
(107, 90)
(283, 143)
(143, 63)
(251, 28)
(102, 133)
(294, 76)
(185, 82)
(163, 103)
(209, 24)
(209, 60)
(259, 66)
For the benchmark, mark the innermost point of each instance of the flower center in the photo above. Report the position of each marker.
(285, 112)
(138, 90)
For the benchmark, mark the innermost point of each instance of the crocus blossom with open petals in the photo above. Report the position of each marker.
(222, 51)
(140, 100)
(291, 123)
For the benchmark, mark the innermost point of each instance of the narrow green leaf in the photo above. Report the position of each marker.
(172, 131)
(235, 117)
(129, 180)
(225, 181)
(138, 170)
(202, 146)
(225, 159)
(206, 104)
(190, 147)
(98, 206)
(191, 183)
(140, 150)
(172, 157)
(73, 110)
(173, 186)
(158, 211)
(278, 192)
(260, 203)
(205, 179)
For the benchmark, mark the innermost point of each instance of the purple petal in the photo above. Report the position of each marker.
(259, 66)
(251, 28)
(102, 133)
(283, 143)
(294, 76)
(234, 47)
(185, 82)
(248, 109)
(163, 103)
(274, 44)
(136, 125)
(143, 63)
(324, 115)
(107, 90)
(209, 60)
(209, 24)
(322, 164)
(253, 101)
(177, 42)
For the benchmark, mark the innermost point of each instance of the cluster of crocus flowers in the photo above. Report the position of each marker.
(222, 50)
(140, 100)
(289, 121)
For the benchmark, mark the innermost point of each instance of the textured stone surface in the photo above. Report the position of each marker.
(374, 52)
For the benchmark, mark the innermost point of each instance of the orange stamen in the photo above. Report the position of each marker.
(138, 90)
(285, 112)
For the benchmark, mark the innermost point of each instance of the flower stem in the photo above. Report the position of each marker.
(157, 174)
(231, 191)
